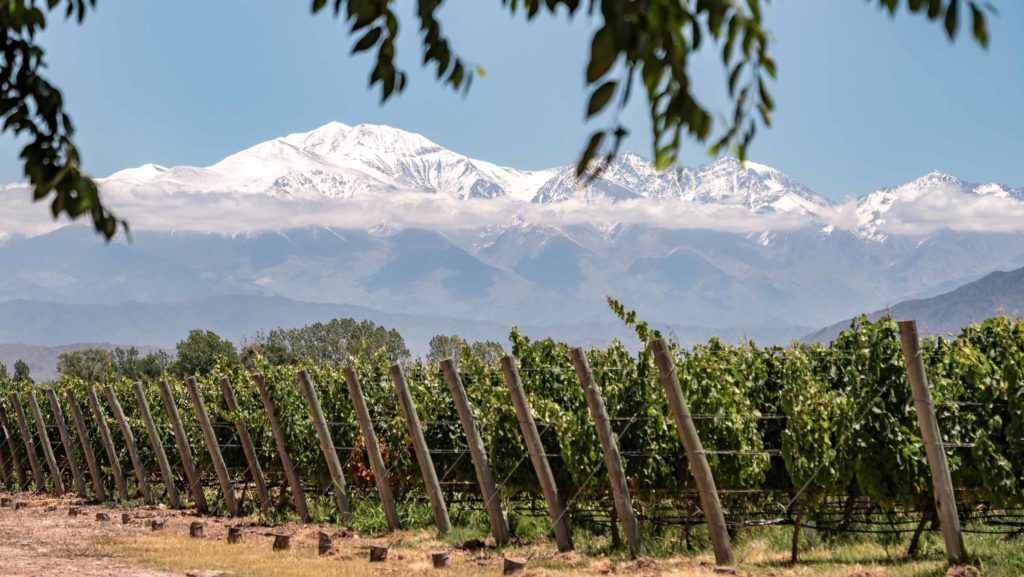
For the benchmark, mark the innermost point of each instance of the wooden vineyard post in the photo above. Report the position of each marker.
(99, 491)
(213, 447)
(559, 522)
(419, 446)
(30, 446)
(184, 451)
(108, 443)
(698, 460)
(380, 472)
(247, 447)
(945, 500)
(44, 440)
(4, 470)
(129, 441)
(65, 439)
(19, 469)
(326, 444)
(484, 475)
(158, 446)
(298, 495)
(612, 459)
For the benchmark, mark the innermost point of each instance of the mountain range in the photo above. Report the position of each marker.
(388, 225)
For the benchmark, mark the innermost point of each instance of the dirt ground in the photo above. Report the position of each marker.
(43, 538)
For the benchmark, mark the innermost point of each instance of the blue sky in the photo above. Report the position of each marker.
(864, 101)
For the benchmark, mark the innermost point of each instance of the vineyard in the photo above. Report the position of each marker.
(810, 436)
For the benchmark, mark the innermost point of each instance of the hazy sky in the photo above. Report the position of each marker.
(863, 101)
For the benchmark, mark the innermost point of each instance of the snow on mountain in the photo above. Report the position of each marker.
(872, 209)
(372, 163)
(341, 161)
(757, 187)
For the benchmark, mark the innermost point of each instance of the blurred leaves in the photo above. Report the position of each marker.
(33, 108)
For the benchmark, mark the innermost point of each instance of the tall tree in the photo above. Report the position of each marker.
(21, 372)
(642, 46)
(92, 365)
(199, 352)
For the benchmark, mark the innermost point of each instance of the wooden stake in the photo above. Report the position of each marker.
(419, 446)
(298, 495)
(4, 478)
(247, 447)
(84, 441)
(213, 447)
(477, 451)
(16, 464)
(541, 467)
(44, 440)
(380, 472)
(108, 443)
(65, 439)
(612, 459)
(326, 444)
(158, 445)
(945, 500)
(184, 450)
(30, 446)
(706, 489)
(129, 441)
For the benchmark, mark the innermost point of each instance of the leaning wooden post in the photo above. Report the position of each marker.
(30, 446)
(108, 443)
(541, 467)
(226, 487)
(945, 500)
(612, 459)
(298, 495)
(129, 441)
(484, 475)
(65, 439)
(326, 444)
(380, 472)
(419, 447)
(698, 461)
(4, 470)
(99, 491)
(19, 469)
(184, 451)
(44, 440)
(158, 446)
(247, 447)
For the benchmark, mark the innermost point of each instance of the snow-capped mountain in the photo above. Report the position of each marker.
(377, 217)
(388, 169)
(872, 209)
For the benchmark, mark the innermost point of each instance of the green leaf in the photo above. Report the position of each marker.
(979, 25)
(600, 98)
(603, 54)
(950, 21)
(368, 40)
(589, 153)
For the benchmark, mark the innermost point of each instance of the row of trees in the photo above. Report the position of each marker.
(331, 342)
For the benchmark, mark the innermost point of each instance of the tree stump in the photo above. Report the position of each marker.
(234, 535)
(378, 554)
(324, 544)
(195, 530)
(74, 511)
(6, 501)
(20, 505)
(126, 518)
(282, 542)
(513, 565)
(102, 517)
(440, 559)
(156, 524)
